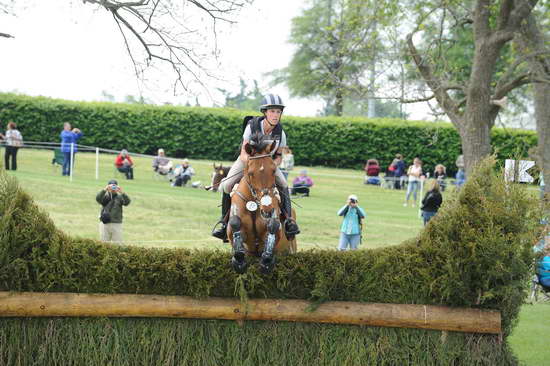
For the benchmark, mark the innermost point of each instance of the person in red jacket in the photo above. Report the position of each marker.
(124, 164)
(372, 168)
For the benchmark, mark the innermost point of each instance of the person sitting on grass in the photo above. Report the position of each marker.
(182, 173)
(124, 164)
(302, 183)
(372, 169)
(161, 164)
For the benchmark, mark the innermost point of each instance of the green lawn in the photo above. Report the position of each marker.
(160, 215)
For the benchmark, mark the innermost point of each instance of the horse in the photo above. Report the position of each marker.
(218, 174)
(254, 226)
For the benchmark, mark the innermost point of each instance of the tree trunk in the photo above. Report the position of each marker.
(530, 39)
(542, 116)
(476, 142)
(339, 102)
(479, 116)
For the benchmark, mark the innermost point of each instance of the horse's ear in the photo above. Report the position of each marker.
(215, 167)
(248, 148)
(273, 146)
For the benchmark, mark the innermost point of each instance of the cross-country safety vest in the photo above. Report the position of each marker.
(255, 126)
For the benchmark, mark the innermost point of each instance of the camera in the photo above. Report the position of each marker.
(114, 187)
(351, 200)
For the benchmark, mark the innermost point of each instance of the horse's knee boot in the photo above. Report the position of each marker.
(267, 262)
(238, 261)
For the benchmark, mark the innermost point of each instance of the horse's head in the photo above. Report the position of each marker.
(218, 174)
(260, 169)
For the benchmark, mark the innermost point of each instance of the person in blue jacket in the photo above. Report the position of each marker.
(69, 137)
(543, 268)
(350, 231)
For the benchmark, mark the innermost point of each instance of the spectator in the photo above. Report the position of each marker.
(350, 231)
(302, 183)
(460, 174)
(111, 198)
(161, 164)
(14, 141)
(69, 138)
(399, 171)
(415, 173)
(182, 173)
(431, 202)
(287, 162)
(372, 169)
(543, 268)
(440, 173)
(124, 164)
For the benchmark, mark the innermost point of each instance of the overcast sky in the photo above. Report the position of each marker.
(69, 50)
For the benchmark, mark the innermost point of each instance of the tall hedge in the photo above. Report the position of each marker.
(214, 133)
(475, 253)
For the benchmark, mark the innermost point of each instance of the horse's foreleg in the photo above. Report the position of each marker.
(267, 263)
(238, 261)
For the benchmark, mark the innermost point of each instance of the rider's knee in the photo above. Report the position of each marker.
(226, 188)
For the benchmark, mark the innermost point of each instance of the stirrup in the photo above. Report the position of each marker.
(291, 229)
(220, 233)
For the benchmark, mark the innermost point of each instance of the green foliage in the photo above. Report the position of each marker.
(214, 133)
(245, 99)
(475, 253)
(323, 64)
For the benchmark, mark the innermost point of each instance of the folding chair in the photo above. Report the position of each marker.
(58, 158)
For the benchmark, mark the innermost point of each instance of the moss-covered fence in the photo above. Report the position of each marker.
(475, 253)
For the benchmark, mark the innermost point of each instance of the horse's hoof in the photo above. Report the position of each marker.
(267, 264)
(239, 265)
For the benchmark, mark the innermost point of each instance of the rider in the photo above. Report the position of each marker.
(272, 107)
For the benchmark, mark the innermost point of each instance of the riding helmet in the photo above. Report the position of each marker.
(271, 101)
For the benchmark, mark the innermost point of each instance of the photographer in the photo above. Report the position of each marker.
(350, 231)
(111, 198)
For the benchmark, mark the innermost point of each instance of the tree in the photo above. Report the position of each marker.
(470, 105)
(245, 99)
(335, 41)
(531, 39)
(173, 33)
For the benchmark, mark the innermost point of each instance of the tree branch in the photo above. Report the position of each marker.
(505, 88)
(162, 38)
(438, 87)
(6, 35)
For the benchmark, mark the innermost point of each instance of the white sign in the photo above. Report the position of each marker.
(523, 176)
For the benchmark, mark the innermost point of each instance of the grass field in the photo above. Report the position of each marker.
(160, 215)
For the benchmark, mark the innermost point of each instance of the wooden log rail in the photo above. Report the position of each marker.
(35, 304)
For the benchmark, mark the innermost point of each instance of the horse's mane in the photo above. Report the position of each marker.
(259, 142)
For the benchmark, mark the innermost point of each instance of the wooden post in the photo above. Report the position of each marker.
(33, 304)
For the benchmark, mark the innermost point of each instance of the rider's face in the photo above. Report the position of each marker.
(273, 115)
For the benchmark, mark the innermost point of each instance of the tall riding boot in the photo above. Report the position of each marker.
(221, 232)
(291, 227)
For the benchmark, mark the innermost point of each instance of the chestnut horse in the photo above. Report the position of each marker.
(255, 215)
